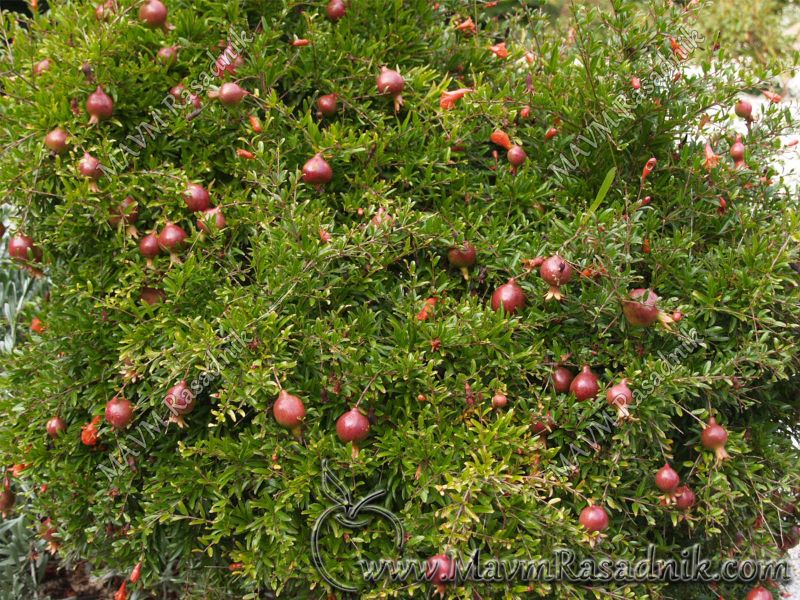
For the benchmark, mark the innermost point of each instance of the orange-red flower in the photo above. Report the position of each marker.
(19, 468)
(467, 26)
(712, 159)
(499, 50)
(122, 593)
(255, 123)
(228, 62)
(448, 99)
(677, 49)
(648, 168)
(427, 309)
(136, 573)
(89, 434)
(501, 139)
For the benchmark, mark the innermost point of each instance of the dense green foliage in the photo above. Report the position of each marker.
(268, 302)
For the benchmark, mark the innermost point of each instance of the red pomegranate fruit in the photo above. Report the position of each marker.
(684, 498)
(335, 10)
(231, 94)
(462, 256)
(440, 571)
(317, 171)
(55, 426)
(667, 480)
(759, 593)
(105, 10)
(641, 308)
(119, 412)
(737, 151)
(289, 411)
(167, 56)
(620, 397)
(153, 13)
(327, 105)
(99, 105)
(211, 220)
(714, 437)
(516, 156)
(171, 239)
(57, 140)
(22, 249)
(148, 247)
(594, 518)
(509, 296)
(391, 83)
(557, 272)
(196, 197)
(543, 425)
(90, 168)
(125, 213)
(353, 427)
(181, 401)
(499, 400)
(744, 110)
(585, 386)
(152, 296)
(562, 379)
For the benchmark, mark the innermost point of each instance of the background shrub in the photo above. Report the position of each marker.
(268, 302)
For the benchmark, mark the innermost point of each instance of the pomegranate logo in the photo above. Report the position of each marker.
(346, 512)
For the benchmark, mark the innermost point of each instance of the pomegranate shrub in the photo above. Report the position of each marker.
(499, 342)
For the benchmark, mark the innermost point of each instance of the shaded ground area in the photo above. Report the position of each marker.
(73, 584)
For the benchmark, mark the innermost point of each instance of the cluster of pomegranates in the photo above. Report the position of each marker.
(119, 413)
(515, 153)
(317, 171)
(639, 307)
(668, 481)
(288, 410)
(172, 237)
(352, 427)
(510, 297)
(744, 110)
